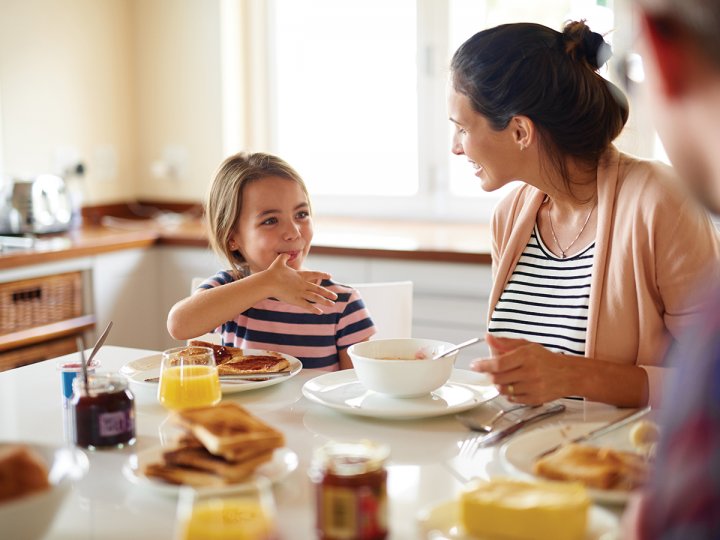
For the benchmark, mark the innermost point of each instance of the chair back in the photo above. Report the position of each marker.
(390, 306)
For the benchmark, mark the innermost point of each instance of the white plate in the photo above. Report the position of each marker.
(519, 454)
(442, 522)
(145, 368)
(341, 390)
(284, 461)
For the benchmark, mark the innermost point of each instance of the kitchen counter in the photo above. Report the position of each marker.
(348, 237)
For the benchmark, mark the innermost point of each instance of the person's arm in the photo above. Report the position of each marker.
(529, 373)
(345, 361)
(205, 310)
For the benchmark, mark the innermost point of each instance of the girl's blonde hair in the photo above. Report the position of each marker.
(224, 202)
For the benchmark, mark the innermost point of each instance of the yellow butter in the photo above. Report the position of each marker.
(513, 509)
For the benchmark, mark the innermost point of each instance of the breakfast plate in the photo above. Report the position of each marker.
(148, 367)
(342, 391)
(441, 521)
(519, 454)
(284, 461)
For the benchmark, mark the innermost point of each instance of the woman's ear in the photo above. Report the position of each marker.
(523, 131)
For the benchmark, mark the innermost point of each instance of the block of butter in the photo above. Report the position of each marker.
(513, 509)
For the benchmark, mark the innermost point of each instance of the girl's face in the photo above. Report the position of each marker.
(493, 154)
(274, 219)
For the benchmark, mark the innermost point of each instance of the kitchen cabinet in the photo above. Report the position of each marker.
(43, 309)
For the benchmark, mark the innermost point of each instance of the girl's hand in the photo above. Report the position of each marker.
(526, 372)
(298, 287)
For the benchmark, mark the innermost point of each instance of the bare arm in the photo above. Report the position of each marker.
(529, 373)
(205, 310)
(345, 361)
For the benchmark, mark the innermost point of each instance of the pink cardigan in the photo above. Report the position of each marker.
(654, 247)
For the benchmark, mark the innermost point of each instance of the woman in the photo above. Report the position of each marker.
(595, 255)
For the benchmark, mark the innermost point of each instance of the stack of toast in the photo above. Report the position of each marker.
(223, 444)
(599, 468)
(234, 361)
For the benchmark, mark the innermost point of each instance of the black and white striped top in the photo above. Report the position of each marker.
(546, 299)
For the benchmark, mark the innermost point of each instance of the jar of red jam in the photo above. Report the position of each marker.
(103, 414)
(350, 490)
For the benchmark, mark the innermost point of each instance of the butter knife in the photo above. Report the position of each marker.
(99, 343)
(249, 377)
(497, 436)
(599, 432)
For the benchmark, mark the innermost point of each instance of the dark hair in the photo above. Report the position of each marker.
(550, 77)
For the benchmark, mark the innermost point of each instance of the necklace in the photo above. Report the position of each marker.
(552, 230)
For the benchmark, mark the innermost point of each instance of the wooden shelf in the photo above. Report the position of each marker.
(47, 332)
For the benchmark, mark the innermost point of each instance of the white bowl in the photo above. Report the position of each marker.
(31, 516)
(389, 366)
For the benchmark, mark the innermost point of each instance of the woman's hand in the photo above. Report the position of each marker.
(526, 372)
(298, 287)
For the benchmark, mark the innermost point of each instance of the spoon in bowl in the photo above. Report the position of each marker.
(456, 348)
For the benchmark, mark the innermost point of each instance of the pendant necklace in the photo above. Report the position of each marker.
(552, 230)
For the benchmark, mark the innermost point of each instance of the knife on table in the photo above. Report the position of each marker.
(599, 432)
(248, 377)
(501, 434)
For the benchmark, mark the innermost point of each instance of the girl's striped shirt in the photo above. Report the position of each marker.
(314, 339)
(546, 299)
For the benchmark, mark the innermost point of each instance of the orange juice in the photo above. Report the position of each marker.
(184, 387)
(228, 519)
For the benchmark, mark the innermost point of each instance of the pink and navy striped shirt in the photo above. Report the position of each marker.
(314, 339)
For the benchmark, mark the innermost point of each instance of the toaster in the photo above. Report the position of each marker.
(35, 206)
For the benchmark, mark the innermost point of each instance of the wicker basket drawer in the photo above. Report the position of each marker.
(36, 353)
(33, 302)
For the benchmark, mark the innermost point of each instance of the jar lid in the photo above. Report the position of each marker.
(351, 458)
(100, 383)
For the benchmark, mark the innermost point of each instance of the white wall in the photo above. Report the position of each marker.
(66, 83)
(178, 84)
(120, 84)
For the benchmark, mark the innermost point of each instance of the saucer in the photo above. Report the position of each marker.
(342, 391)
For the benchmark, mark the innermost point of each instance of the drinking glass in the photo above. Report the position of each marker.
(241, 512)
(188, 378)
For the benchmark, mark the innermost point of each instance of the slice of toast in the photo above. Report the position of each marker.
(183, 475)
(227, 428)
(600, 468)
(231, 472)
(234, 361)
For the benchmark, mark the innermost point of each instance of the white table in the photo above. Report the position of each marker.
(424, 468)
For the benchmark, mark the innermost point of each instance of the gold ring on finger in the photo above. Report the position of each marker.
(511, 389)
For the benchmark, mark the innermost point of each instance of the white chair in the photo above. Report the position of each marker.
(390, 306)
(209, 337)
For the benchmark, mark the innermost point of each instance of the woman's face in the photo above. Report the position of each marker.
(274, 219)
(493, 154)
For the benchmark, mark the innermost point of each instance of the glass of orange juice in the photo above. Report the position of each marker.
(241, 512)
(188, 378)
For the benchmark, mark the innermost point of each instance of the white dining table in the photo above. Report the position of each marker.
(426, 464)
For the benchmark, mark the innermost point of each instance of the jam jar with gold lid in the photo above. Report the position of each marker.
(350, 482)
(103, 412)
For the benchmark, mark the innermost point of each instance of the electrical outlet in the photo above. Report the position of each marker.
(67, 159)
(173, 165)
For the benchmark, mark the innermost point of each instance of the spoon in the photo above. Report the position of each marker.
(486, 426)
(99, 343)
(462, 345)
(83, 363)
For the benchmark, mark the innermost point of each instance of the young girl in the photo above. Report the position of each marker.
(259, 219)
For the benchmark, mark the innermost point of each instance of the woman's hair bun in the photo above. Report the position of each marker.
(581, 43)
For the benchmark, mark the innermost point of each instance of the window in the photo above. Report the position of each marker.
(357, 98)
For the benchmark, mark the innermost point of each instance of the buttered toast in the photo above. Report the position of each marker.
(600, 468)
(227, 428)
(234, 361)
(223, 444)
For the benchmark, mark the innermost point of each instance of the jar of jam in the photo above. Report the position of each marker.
(350, 490)
(103, 414)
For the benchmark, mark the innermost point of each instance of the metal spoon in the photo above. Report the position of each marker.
(462, 345)
(99, 343)
(486, 426)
